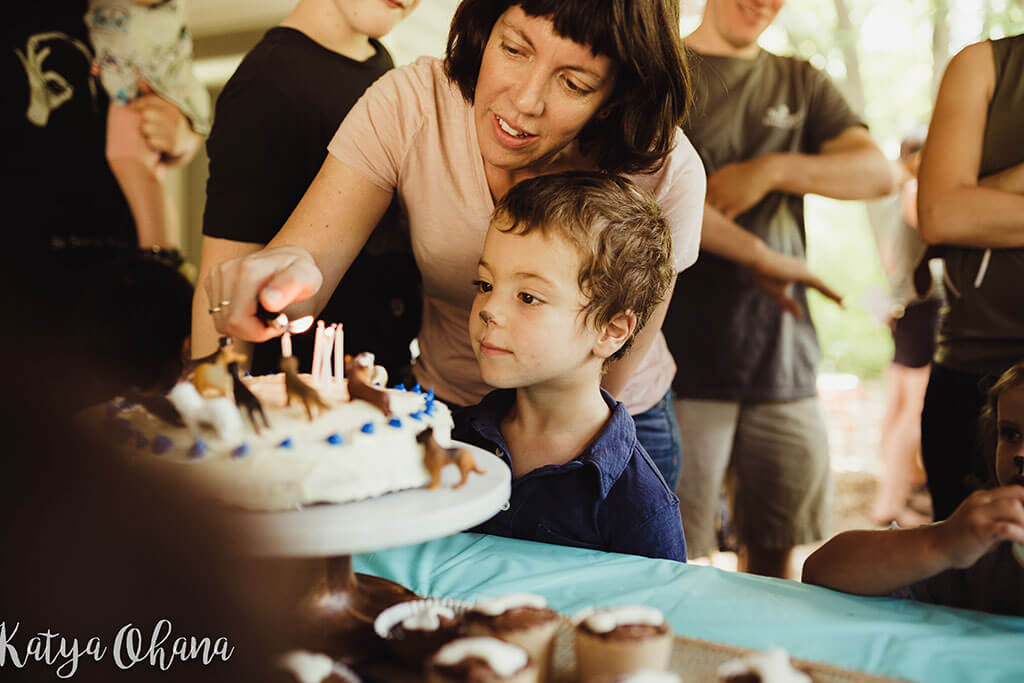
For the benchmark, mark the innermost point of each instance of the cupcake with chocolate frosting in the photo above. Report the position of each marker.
(522, 619)
(620, 640)
(768, 666)
(300, 666)
(416, 629)
(481, 660)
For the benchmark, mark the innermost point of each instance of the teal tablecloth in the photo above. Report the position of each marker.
(879, 636)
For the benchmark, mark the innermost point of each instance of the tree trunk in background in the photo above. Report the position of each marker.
(940, 42)
(846, 36)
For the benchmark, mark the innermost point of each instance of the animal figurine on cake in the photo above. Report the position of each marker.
(246, 400)
(361, 373)
(436, 456)
(219, 413)
(296, 389)
(213, 378)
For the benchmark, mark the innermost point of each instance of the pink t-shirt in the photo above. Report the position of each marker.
(413, 132)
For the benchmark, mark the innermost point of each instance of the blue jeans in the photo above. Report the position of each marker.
(658, 433)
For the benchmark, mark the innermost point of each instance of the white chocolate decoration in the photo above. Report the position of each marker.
(307, 666)
(606, 620)
(428, 618)
(504, 658)
(502, 604)
(772, 665)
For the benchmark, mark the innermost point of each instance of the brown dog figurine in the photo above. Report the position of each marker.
(359, 371)
(466, 463)
(295, 388)
(435, 457)
(212, 378)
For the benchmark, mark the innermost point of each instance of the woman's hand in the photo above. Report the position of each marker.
(278, 276)
(984, 520)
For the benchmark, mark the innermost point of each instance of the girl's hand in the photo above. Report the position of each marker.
(984, 520)
(279, 276)
(164, 127)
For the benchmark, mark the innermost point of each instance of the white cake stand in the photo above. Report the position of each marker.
(341, 613)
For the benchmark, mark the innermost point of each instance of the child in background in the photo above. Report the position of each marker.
(143, 47)
(963, 561)
(572, 266)
(291, 92)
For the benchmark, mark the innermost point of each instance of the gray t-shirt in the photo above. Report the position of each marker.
(731, 341)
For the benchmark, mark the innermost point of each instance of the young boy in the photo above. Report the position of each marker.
(291, 92)
(572, 266)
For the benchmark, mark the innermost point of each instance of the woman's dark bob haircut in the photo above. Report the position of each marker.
(636, 127)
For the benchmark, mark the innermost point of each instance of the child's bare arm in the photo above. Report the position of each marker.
(879, 562)
(165, 128)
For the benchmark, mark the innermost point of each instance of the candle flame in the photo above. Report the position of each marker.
(301, 325)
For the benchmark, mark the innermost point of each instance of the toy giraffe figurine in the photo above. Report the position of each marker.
(295, 388)
(212, 378)
(435, 457)
(246, 400)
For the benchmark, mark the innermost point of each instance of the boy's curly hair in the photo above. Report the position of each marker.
(624, 243)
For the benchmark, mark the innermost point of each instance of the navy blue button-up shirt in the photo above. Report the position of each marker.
(611, 497)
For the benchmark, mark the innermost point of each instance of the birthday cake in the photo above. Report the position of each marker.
(301, 443)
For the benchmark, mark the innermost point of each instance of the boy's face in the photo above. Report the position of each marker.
(741, 22)
(375, 18)
(1010, 428)
(526, 324)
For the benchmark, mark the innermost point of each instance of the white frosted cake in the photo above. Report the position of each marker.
(349, 451)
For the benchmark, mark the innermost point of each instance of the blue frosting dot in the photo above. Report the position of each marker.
(287, 443)
(367, 428)
(198, 449)
(431, 408)
(141, 441)
(162, 444)
(395, 422)
(400, 387)
(417, 388)
(335, 439)
(240, 451)
(430, 394)
(416, 416)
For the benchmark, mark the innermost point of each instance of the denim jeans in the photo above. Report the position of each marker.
(658, 433)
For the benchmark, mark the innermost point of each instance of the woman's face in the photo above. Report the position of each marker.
(535, 92)
(1010, 430)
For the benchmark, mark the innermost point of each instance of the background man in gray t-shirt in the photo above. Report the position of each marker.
(769, 129)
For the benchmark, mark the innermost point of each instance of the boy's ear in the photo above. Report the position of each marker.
(615, 333)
